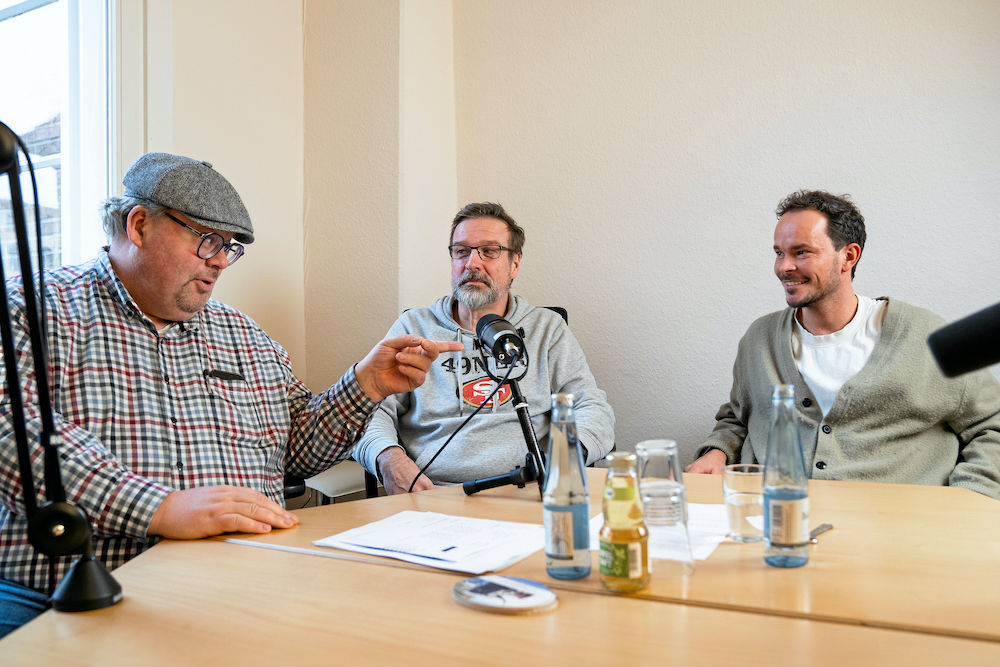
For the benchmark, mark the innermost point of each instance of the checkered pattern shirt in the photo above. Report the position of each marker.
(205, 402)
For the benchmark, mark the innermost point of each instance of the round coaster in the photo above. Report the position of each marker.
(504, 595)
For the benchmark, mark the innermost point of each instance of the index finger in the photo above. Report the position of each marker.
(257, 506)
(442, 345)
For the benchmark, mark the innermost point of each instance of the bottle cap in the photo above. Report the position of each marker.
(563, 399)
(783, 391)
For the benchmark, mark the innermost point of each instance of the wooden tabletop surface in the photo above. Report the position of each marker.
(909, 575)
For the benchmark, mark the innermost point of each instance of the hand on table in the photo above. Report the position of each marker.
(205, 511)
(711, 462)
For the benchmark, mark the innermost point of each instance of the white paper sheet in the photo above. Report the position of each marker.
(443, 541)
(708, 526)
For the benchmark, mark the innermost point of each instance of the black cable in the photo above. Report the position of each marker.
(462, 425)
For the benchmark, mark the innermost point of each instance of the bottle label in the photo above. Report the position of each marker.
(621, 560)
(558, 534)
(788, 521)
(619, 492)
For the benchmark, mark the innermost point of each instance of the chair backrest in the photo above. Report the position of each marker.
(562, 312)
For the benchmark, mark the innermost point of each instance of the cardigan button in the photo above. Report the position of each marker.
(806, 402)
(826, 429)
(821, 465)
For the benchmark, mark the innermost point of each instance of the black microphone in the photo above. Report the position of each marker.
(518, 477)
(968, 344)
(500, 337)
(57, 527)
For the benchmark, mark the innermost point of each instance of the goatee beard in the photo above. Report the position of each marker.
(474, 298)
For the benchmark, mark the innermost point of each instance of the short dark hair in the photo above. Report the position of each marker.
(490, 210)
(844, 222)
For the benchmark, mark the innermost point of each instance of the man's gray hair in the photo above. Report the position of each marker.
(115, 210)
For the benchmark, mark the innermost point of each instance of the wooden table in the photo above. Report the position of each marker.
(909, 575)
(900, 556)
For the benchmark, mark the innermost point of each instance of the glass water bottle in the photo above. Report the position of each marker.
(786, 486)
(566, 501)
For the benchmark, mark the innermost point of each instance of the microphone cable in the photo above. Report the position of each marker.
(510, 370)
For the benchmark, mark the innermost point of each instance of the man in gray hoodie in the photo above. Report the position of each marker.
(409, 429)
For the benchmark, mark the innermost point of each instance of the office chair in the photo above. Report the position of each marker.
(295, 486)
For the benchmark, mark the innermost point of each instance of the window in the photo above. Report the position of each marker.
(54, 78)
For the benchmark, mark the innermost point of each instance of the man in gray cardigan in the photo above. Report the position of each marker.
(408, 431)
(873, 403)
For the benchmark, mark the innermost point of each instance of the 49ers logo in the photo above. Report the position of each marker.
(475, 392)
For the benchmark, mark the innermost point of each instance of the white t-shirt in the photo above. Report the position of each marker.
(827, 362)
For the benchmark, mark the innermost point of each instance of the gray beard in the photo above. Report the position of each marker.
(475, 299)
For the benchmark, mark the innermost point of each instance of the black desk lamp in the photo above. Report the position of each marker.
(57, 527)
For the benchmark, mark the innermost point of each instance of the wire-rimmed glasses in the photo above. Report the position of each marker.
(491, 251)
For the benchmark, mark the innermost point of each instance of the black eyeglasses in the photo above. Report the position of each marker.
(492, 251)
(212, 243)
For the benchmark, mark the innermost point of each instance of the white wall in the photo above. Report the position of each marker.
(352, 185)
(644, 146)
(224, 84)
(427, 152)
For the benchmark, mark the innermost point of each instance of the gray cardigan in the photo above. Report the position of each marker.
(898, 420)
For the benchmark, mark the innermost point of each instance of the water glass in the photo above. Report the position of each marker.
(742, 488)
(661, 485)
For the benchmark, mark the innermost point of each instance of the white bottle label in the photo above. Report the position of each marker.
(558, 534)
(788, 522)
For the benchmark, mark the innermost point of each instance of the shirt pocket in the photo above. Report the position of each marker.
(235, 405)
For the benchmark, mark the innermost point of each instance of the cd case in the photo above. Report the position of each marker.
(505, 595)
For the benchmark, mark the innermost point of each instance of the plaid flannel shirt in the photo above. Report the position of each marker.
(205, 402)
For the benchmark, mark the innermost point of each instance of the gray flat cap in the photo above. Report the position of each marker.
(192, 187)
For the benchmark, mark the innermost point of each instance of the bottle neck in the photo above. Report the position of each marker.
(784, 461)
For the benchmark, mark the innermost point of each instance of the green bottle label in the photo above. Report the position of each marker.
(621, 560)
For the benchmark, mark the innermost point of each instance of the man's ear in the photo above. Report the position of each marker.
(852, 253)
(137, 225)
(515, 264)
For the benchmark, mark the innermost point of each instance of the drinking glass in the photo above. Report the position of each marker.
(661, 485)
(742, 489)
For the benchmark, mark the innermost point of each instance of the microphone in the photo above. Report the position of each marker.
(968, 344)
(57, 527)
(500, 337)
(518, 477)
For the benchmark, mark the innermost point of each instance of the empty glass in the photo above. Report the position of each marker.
(664, 498)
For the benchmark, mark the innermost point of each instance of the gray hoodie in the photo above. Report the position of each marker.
(492, 443)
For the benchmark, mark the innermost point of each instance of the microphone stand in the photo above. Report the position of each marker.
(534, 464)
(57, 527)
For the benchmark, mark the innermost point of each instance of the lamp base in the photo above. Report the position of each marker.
(88, 585)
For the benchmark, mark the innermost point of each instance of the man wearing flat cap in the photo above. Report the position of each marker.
(179, 415)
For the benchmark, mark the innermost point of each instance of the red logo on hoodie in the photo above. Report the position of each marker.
(475, 392)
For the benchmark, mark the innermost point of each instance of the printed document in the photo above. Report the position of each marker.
(443, 541)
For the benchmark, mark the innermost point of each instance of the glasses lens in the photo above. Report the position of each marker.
(210, 245)
(234, 253)
(459, 251)
(490, 251)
